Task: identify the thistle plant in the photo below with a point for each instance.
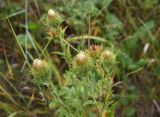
(42, 72)
(87, 86)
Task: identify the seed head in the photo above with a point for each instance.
(51, 14)
(81, 58)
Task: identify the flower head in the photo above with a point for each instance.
(54, 19)
(106, 54)
(51, 14)
(95, 50)
(81, 58)
(39, 64)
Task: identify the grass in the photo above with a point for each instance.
(124, 25)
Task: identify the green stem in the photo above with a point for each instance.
(88, 37)
(45, 48)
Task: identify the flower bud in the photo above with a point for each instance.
(108, 55)
(39, 64)
(81, 58)
(51, 14)
(54, 19)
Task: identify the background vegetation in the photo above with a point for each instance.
(132, 26)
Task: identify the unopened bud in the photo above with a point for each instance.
(39, 64)
(54, 19)
(108, 55)
(51, 14)
(81, 58)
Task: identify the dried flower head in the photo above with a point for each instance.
(95, 50)
(51, 14)
(52, 33)
(81, 58)
(39, 64)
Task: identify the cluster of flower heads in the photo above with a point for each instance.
(96, 59)
(95, 51)
(95, 55)
(81, 58)
(41, 69)
(92, 68)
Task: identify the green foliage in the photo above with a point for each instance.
(24, 41)
(140, 33)
(114, 26)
